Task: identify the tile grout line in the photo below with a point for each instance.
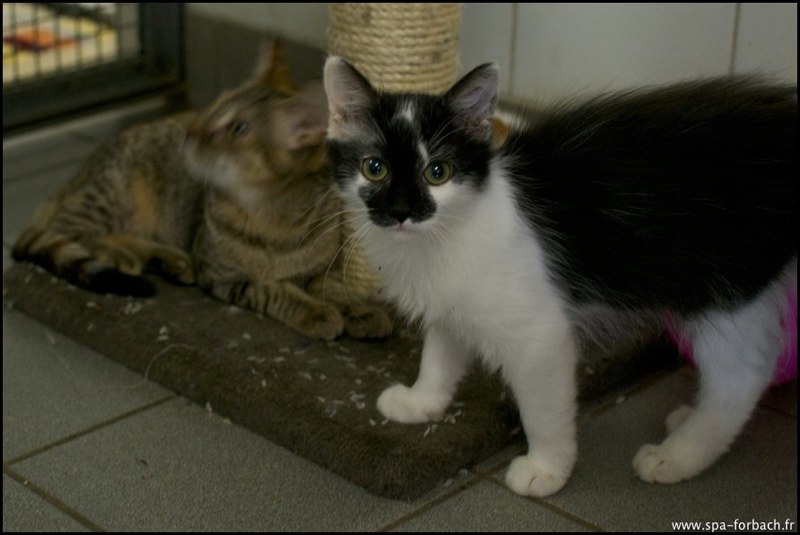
(52, 500)
(487, 475)
(545, 504)
(91, 429)
(459, 488)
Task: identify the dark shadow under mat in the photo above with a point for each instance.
(316, 399)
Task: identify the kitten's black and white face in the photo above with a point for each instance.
(410, 162)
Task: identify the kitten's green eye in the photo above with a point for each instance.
(239, 128)
(437, 173)
(374, 169)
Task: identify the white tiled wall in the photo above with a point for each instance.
(767, 40)
(577, 47)
(548, 50)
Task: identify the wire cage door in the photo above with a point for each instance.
(63, 58)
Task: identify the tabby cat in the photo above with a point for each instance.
(237, 198)
(677, 200)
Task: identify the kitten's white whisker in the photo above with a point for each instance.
(333, 260)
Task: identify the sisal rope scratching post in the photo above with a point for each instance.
(399, 48)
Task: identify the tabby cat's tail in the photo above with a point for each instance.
(72, 260)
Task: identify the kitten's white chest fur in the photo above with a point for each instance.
(475, 270)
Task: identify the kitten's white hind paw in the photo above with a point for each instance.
(662, 464)
(528, 477)
(404, 405)
(667, 462)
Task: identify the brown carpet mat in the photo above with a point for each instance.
(316, 399)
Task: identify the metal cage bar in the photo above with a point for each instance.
(63, 58)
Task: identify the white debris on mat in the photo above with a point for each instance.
(91, 327)
(430, 429)
(357, 400)
(132, 307)
(450, 418)
(278, 360)
(246, 336)
(163, 334)
(91, 304)
(263, 383)
(620, 400)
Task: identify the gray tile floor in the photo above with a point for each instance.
(89, 445)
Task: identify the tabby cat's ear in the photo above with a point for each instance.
(474, 98)
(350, 95)
(302, 119)
(272, 68)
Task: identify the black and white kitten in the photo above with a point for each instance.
(675, 201)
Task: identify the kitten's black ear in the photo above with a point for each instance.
(474, 98)
(350, 95)
(302, 119)
(272, 68)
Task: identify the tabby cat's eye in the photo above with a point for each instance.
(239, 128)
(374, 169)
(437, 173)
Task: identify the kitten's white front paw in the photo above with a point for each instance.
(530, 477)
(662, 464)
(404, 405)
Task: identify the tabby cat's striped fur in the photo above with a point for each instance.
(237, 198)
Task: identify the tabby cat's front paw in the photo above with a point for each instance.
(367, 321)
(531, 477)
(175, 265)
(402, 404)
(322, 323)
